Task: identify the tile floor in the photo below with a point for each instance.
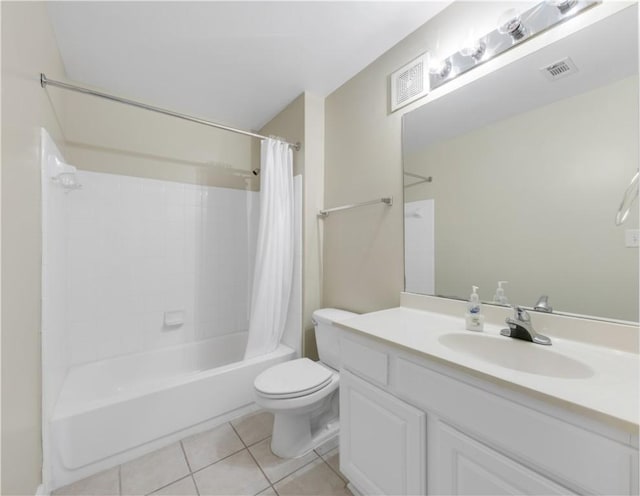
(234, 458)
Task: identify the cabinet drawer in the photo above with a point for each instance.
(365, 361)
(569, 454)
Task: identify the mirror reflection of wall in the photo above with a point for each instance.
(531, 198)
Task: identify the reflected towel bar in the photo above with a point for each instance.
(422, 179)
(325, 213)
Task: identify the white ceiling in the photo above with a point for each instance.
(238, 63)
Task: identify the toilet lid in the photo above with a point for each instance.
(292, 379)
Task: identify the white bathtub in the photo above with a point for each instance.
(114, 406)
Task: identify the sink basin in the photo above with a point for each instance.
(517, 354)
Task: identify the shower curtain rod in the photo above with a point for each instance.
(44, 82)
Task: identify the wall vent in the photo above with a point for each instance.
(560, 69)
(410, 82)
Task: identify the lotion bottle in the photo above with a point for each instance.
(500, 297)
(474, 320)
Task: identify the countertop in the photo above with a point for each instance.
(609, 393)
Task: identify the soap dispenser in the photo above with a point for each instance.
(500, 297)
(473, 318)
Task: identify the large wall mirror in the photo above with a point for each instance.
(527, 174)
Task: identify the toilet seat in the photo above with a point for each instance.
(293, 379)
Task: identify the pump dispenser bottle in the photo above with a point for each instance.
(474, 320)
(500, 297)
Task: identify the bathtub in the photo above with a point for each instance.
(113, 407)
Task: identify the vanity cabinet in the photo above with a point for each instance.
(411, 424)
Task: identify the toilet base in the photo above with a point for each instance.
(293, 436)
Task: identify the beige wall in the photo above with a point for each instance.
(303, 121)
(313, 226)
(554, 235)
(28, 48)
(363, 249)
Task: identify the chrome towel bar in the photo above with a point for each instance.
(388, 200)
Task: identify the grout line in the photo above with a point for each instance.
(120, 480)
(186, 458)
(334, 470)
(252, 444)
(193, 479)
(167, 485)
(260, 468)
(239, 436)
(221, 459)
(299, 468)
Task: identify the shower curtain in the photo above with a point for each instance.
(273, 272)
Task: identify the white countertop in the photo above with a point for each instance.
(609, 392)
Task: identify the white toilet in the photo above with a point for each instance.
(303, 394)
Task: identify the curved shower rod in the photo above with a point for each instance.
(44, 82)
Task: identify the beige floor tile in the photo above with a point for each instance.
(331, 444)
(275, 467)
(105, 483)
(237, 474)
(183, 487)
(333, 459)
(254, 427)
(153, 471)
(314, 479)
(209, 447)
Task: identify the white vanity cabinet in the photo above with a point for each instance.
(411, 424)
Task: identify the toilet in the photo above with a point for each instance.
(303, 394)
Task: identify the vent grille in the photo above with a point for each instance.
(560, 69)
(409, 82)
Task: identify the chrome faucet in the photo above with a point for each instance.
(520, 327)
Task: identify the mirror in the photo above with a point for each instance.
(518, 177)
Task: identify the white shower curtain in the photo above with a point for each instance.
(273, 272)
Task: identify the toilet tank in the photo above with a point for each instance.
(328, 335)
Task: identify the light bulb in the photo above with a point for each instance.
(475, 50)
(563, 6)
(441, 68)
(511, 23)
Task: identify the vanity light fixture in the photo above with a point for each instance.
(513, 28)
(510, 23)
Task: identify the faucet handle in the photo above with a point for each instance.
(521, 314)
(542, 305)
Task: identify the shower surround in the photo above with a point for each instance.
(146, 294)
(140, 247)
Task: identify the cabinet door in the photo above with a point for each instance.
(382, 440)
(465, 466)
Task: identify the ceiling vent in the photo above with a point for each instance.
(560, 69)
(410, 82)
